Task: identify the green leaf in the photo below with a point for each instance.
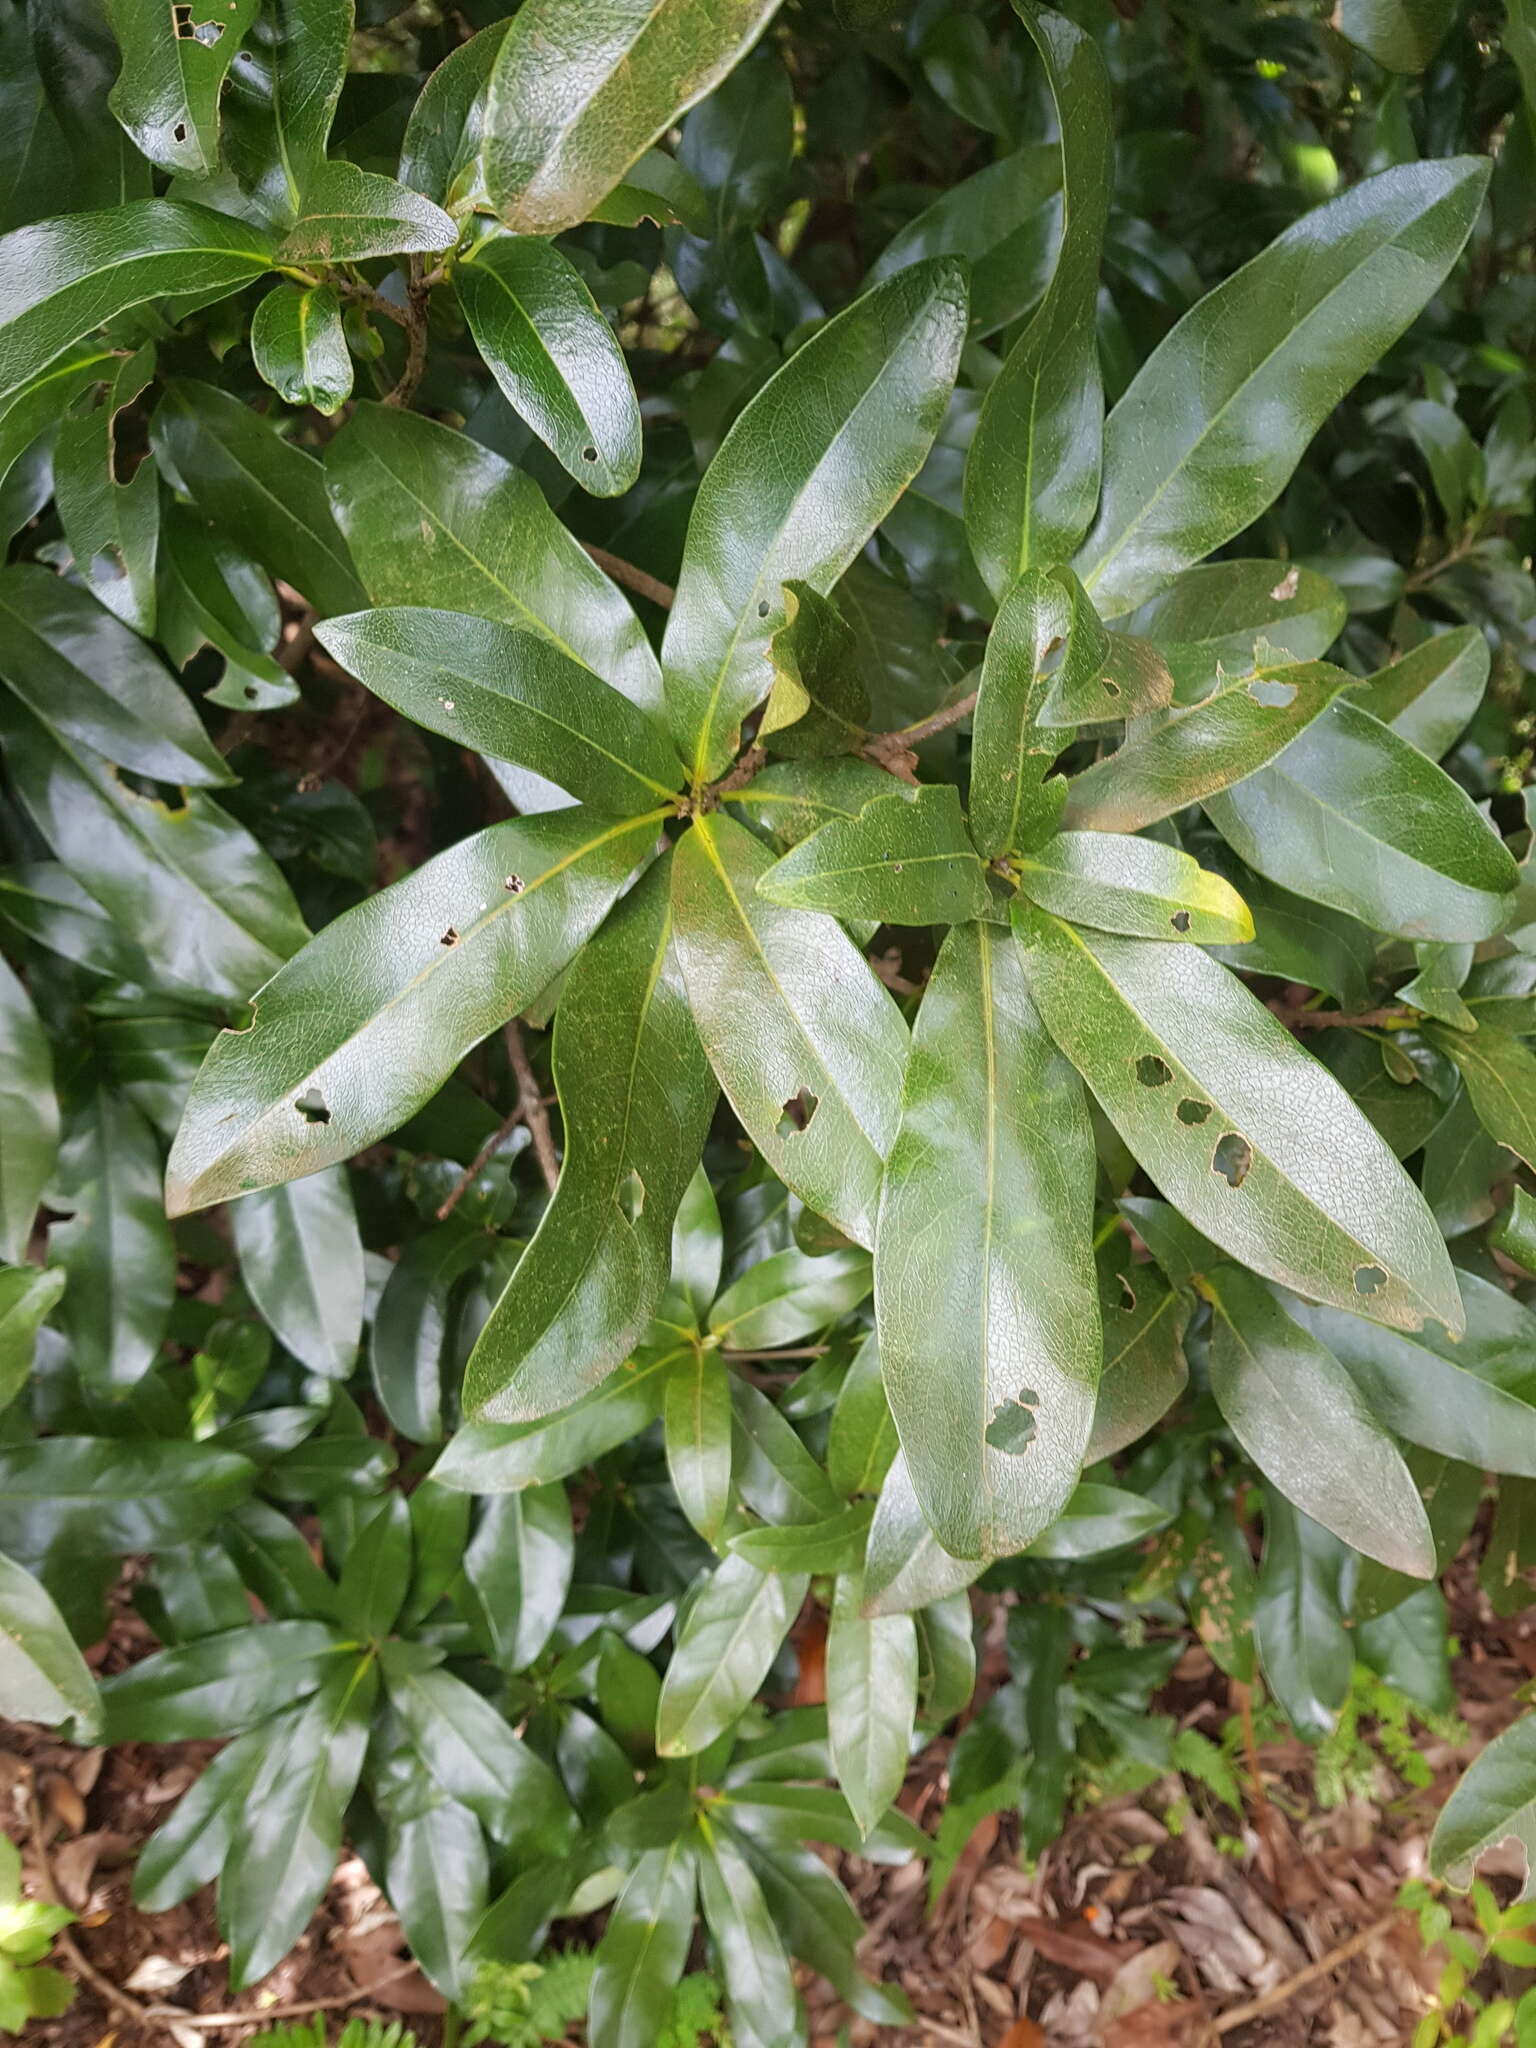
(905, 1566)
(1429, 696)
(29, 1116)
(738, 144)
(985, 1293)
(433, 518)
(89, 679)
(573, 100)
(1032, 476)
(299, 349)
(554, 356)
(1005, 221)
(278, 113)
(200, 896)
(220, 1684)
(835, 1545)
(1301, 1418)
(1144, 1370)
(819, 703)
(68, 277)
(1294, 939)
(82, 1496)
(1096, 1519)
(788, 800)
(861, 1436)
(774, 1473)
(432, 965)
(808, 470)
(871, 1700)
(284, 1848)
(1217, 418)
(730, 1635)
(474, 1757)
(1298, 1622)
(211, 595)
(116, 1246)
(442, 137)
(1500, 1076)
(347, 215)
(757, 1973)
(517, 1570)
(437, 1878)
(513, 695)
(1508, 1570)
(636, 1098)
(377, 1574)
(112, 526)
(250, 482)
(644, 1949)
(1244, 1132)
(1473, 1399)
(901, 861)
(503, 1457)
(174, 67)
(301, 1260)
(1355, 817)
(697, 1420)
(822, 1927)
(806, 1043)
(27, 1296)
(410, 1345)
(1139, 887)
(43, 1677)
(787, 1296)
(1493, 1801)
(45, 398)
(1401, 35)
(1188, 756)
(1012, 805)
(1233, 617)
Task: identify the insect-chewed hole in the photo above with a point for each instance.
(1012, 1427)
(632, 1196)
(589, 454)
(186, 30)
(1127, 1293)
(180, 131)
(1287, 587)
(1192, 1111)
(1273, 694)
(1369, 1280)
(252, 694)
(1153, 1072)
(797, 1113)
(762, 609)
(1180, 920)
(450, 937)
(1232, 1158)
(311, 1106)
(513, 884)
(1109, 686)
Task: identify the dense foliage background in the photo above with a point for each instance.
(854, 686)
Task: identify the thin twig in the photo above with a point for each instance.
(417, 292)
(531, 1108)
(1297, 1018)
(67, 1946)
(925, 728)
(478, 1164)
(263, 2014)
(633, 578)
(746, 768)
(1240, 2015)
(776, 1357)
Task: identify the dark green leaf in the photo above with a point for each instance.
(503, 1457)
(698, 1440)
(43, 1677)
(174, 67)
(517, 1568)
(1500, 1076)
(475, 1758)
(1097, 1519)
(1493, 1801)
(221, 1684)
(377, 1574)
(116, 1246)
(756, 1969)
(905, 1566)
(1430, 694)
(900, 861)
(347, 214)
(871, 1700)
(1232, 617)
(112, 525)
(730, 1635)
(787, 1296)
(302, 1263)
(437, 1876)
(29, 1116)
(27, 1296)
(413, 1326)
(643, 1950)
(298, 346)
(189, 1849)
(1401, 35)
(861, 1438)
(278, 113)
(1303, 1644)
(95, 1497)
(1144, 1370)
(440, 151)
(819, 703)
(835, 1545)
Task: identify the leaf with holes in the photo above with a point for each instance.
(1229, 618)
(985, 1295)
(175, 61)
(636, 1098)
(1244, 1132)
(433, 965)
(1140, 887)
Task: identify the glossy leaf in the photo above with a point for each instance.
(301, 1260)
(637, 1096)
(756, 1969)
(435, 964)
(475, 1758)
(29, 1116)
(730, 1635)
(513, 695)
(554, 356)
(43, 1677)
(1096, 1519)
(985, 1295)
(698, 1440)
(1139, 887)
(1243, 1131)
(1301, 1418)
(572, 101)
(174, 67)
(1032, 476)
(1500, 1076)
(97, 1497)
(1229, 618)
(1492, 1802)
(439, 153)
(1217, 418)
(805, 1042)
(861, 1436)
(1144, 1370)
(787, 1296)
(116, 1246)
(643, 1951)
(252, 483)
(112, 523)
(298, 346)
(89, 679)
(871, 1700)
(503, 1457)
(414, 1324)
(69, 276)
(1355, 817)
(278, 113)
(1303, 1644)
(220, 1684)
(346, 215)
(27, 1295)
(437, 1874)
(905, 1565)
(899, 862)
(855, 409)
(517, 1568)
(1012, 805)
(432, 518)
(1195, 752)
(1430, 693)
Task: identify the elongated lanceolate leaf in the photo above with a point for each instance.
(368, 1021)
(29, 1116)
(43, 1676)
(1119, 883)
(1012, 805)
(636, 1097)
(1428, 695)
(301, 1259)
(901, 861)
(1500, 1076)
(1233, 617)
(174, 67)
(871, 1700)
(1244, 1132)
(1493, 1802)
(985, 1293)
(644, 1950)
(730, 1635)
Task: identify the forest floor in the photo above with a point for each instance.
(1156, 1921)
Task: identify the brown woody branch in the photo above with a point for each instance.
(529, 1109)
(631, 577)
